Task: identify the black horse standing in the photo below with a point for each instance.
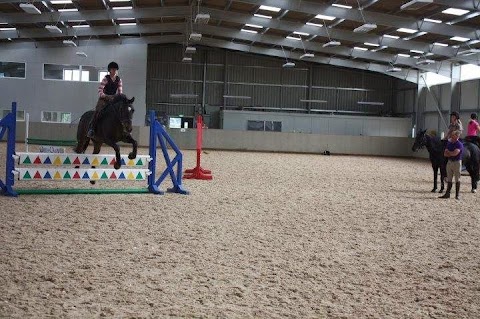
(436, 147)
(114, 125)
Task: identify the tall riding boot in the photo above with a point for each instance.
(447, 193)
(92, 126)
(457, 190)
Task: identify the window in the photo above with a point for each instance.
(268, 126)
(273, 126)
(256, 126)
(74, 75)
(12, 70)
(56, 117)
(20, 114)
(101, 75)
(469, 72)
(431, 79)
(64, 72)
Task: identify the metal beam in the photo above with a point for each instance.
(334, 33)
(96, 15)
(407, 75)
(95, 42)
(472, 5)
(442, 68)
(374, 17)
(94, 31)
(139, 13)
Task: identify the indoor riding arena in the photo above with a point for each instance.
(284, 162)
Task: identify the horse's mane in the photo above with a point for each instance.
(119, 98)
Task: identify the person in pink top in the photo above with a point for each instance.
(110, 86)
(472, 130)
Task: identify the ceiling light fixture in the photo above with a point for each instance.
(367, 27)
(379, 48)
(269, 8)
(69, 43)
(455, 11)
(407, 30)
(468, 52)
(307, 55)
(262, 16)
(459, 39)
(370, 103)
(293, 38)
(190, 50)
(301, 33)
(324, 17)
(195, 36)
(432, 20)
(249, 31)
(202, 18)
(331, 44)
(314, 24)
(415, 4)
(288, 65)
(53, 29)
(122, 8)
(29, 8)
(254, 26)
(391, 36)
(81, 53)
(425, 62)
(341, 6)
(393, 69)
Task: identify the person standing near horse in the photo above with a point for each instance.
(453, 152)
(455, 124)
(110, 86)
(472, 130)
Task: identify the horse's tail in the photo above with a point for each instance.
(82, 130)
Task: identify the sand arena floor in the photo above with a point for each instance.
(272, 236)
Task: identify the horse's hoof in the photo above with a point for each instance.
(116, 165)
(440, 191)
(474, 191)
(434, 190)
(132, 155)
(92, 182)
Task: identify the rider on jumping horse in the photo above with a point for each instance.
(110, 86)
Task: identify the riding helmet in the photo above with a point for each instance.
(454, 113)
(473, 116)
(112, 65)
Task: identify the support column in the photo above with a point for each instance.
(456, 88)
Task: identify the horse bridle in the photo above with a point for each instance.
(117, 112)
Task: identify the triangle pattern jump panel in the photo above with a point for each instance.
(32, 173)
(65, 159)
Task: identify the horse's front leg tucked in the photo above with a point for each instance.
(118, 159)
(129, 139)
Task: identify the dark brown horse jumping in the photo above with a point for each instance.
(114, 125)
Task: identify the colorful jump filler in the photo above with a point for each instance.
(27, 166)
(198, 172)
